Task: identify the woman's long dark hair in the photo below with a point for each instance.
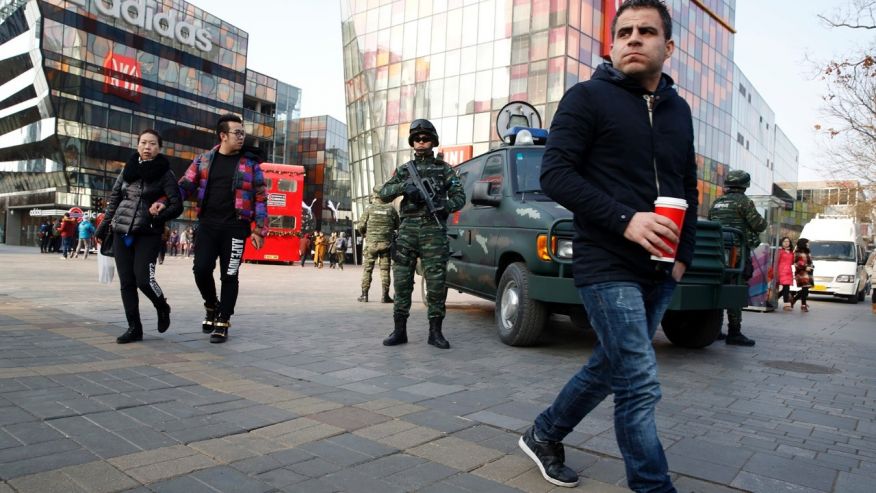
(803, 245)
(789, 242)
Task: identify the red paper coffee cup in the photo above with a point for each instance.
(674, 209)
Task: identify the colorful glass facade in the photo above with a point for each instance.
(457, 62)
(82, 78)
(319, 144)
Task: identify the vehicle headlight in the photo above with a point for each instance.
(845, 278)
(564, 249)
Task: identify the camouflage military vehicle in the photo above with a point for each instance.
(513, 245)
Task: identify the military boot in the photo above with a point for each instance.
(364, 297)
(399, 333)
(133, 334)
(386, 298)
(163, 310)
(207, 324)
(435, 337)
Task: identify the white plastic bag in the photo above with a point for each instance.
(106, 268)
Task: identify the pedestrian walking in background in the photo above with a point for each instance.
(341, 249)
(136, 222)
(55, 244)
(304, 248)
(319, 249)
(67, 229)
(378, 224)
(735, 210)
(332, 249)
(784, 271)
(174, 243)
(803, 270)
(421, 234)
(186, 240)
(617, 142)
(228, 185)
(86, 233)
(45, 236)
(165, 241)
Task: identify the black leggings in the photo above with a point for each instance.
(136, 267)
(226, 244)
(802, 295)
(786, 293)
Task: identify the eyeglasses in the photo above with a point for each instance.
(422, 138)
(238, 133)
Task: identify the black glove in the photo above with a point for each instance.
(412, 193)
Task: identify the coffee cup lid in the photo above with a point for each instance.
(672, 202)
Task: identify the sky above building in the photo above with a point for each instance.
(777, 45)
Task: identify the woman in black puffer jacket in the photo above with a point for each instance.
(136, 225)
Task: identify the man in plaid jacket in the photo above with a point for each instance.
(228, 188)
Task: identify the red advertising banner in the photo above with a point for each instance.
(609, 10)
(121, 77)
(456, 155)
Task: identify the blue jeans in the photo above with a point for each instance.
(625, 316)
(67, 246)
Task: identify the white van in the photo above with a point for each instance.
(837, 251)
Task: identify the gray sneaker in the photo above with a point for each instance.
(550, 457)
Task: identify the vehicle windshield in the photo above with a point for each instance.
(832, 250)
(526, 166)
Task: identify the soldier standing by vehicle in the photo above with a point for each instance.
(422, 234)
(378, 224)
(735, 210)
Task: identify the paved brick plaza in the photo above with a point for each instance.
(304, 397)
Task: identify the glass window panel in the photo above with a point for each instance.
(466, 94)
(385, 17)
(482, 127)
(449, 129)
(503, 17)
(556, 75)
(436, 96)
(454, 29)
(409, 47)
(464, 129)
(538, 49)
(424, 29)
(483, 86)
(436, 66)
(486, 21)
(557, 42)
(501, 82)
(408, 72)
(558, 12)
(538, 82)
(502, 52)
(451, 96)
(484, 55)
(470, 25)
(521, 18)
(396, 43)
(468, 60)
(411, 9)
(451, 65)
(540, 14)
(394, 75)
(520, 49)
(439, 32)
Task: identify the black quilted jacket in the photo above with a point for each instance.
(138, 186)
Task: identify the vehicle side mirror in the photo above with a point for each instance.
(481, 194)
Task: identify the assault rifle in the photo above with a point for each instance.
(426, 188)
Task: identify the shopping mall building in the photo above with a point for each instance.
(79, 79)
(457, 62)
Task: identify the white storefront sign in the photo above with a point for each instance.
(142, 13)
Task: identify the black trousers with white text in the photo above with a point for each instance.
(136, 267)
(226, 244)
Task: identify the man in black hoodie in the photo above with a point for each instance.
(617, 142)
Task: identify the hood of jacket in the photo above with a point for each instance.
(149, 171)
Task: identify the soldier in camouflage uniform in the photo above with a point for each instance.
(421, 235)
(378, 225)
(735, 210)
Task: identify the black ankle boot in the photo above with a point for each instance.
(435, 337)
(133, 334)
(220, 329)
(386, 298)
(399, 334)
(207, 324)
(364, 297)
(163, 310)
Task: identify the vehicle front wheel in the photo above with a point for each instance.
(519, 318)
(693, 329)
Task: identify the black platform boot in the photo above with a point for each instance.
(364, 297)
(133, 334)
(386, 298)
(163, 310)
(435, 337)
(207, 324)
(220, 329)
(399, 334)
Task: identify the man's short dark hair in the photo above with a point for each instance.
(222, 124)
(646, 4)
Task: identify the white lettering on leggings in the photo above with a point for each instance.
(236, 256)
(152, 282)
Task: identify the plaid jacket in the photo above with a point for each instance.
(248, 182)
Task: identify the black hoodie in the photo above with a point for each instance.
(605, 160)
